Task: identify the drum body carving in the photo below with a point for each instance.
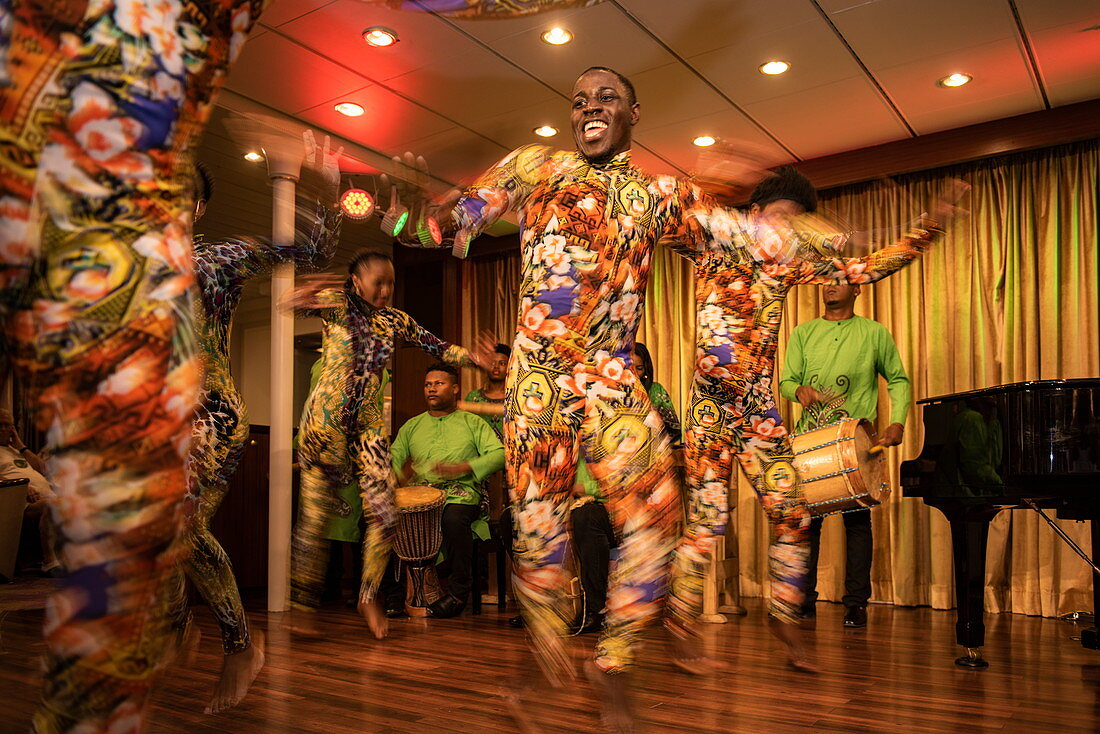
(417, 538)
(837, 469)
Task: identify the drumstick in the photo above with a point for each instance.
(481, 408)
(876, 449)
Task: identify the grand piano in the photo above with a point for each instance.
(1028, 445)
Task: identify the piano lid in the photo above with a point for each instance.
(1029, 386)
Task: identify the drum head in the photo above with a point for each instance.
(408, 499)
(872, 467)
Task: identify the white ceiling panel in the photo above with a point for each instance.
(515, 128)
(283, 11)
(286, 76)
(1069, 62)
(335, 30)
(389, 121)
(893, 32)
(812, 49)
(672, 93)
(474, 86)
(458, 155)
(1041, 14)
(674, 141)
(491, 31)
(692, 27)
(1002, 87)
(626, 49)
(829, 119)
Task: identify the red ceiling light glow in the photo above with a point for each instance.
(954, 80)
(380, 36)
(357, 204)
(350, 109)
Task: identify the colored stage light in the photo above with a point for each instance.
(954, 80)
(774, 67)
(429, 233)
(557, 36)
(380, 36)
(357, 204)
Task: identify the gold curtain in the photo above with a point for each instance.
(1011, 294)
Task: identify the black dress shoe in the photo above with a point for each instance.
(446, 607)
(855, 617)
(516, 621)
(588, 623)
(395, 608)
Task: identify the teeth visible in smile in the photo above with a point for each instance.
(594, 125)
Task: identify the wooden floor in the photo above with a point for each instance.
(447, 676)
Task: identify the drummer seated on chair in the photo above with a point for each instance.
(453, 450)
(832, 368)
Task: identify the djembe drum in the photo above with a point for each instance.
(417, 538)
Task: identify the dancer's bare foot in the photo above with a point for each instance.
(688, 655)
(514, 701)
(791, 636)
(616, 710)
(302, 621)
(238, 672)
(375, 615)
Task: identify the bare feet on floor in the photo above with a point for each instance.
(375, 615)
(518, 702)
(615, 706)
(301, 621)
(688, 654)
(792, 636)
(238, 672)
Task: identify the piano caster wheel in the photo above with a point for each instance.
(972, 659)
(1090, 638)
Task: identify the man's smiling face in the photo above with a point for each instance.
(603, 115)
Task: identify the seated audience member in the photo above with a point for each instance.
(19, 462)
(453, 450)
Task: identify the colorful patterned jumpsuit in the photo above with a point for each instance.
(740, 289)
(588, 233)
(341, 432)
(221, 427)
(99, 116)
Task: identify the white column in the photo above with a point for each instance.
(284, 170)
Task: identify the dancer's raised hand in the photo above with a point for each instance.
(307, 290)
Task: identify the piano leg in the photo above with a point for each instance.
(1090, 637)
(969, 532)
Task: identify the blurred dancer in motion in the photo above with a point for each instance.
(221, 427)
(101, 109)
(342, 433)
(739, 295)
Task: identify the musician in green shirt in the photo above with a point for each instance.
(453, 450)
(832, 368)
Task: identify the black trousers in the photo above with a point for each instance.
(458, 548)
(593, 538)
(857, 566)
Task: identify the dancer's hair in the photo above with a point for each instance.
(203, 182)
(631, 96)
(503, 349)
(366, 257)
(647, 364)
(787, 183)
(442, 367)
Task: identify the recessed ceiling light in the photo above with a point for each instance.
(252, 156)
(546, 131)
(380, 36)
(954, 80)
(350, 109)
(704, 141)
(557, 36)
(774, 67)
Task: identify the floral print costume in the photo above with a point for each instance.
(341, 433)
(740, 289)
(102, 107)
(221, 427)
(588, 235)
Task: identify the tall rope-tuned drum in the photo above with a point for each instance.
(838, 468)
(417, 538)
